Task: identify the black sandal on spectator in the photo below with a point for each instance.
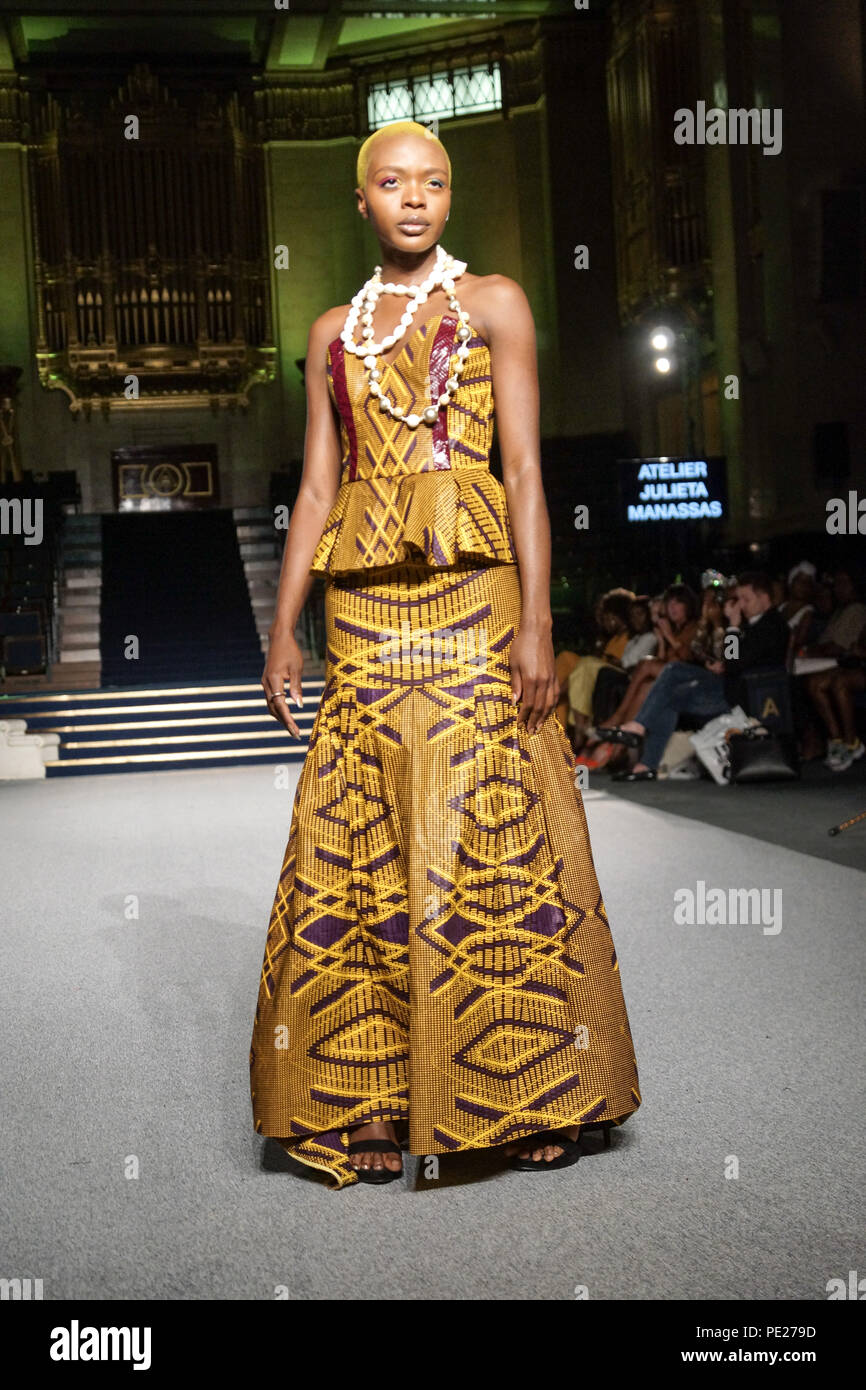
(631, 740)
(648, 774)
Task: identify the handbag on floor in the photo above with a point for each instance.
(712, 745)
(759, 756)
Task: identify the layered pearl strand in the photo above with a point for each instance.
(444, 273)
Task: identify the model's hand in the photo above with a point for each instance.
(717, 667)
(533, 676)
(283, 667)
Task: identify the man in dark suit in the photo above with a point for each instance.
(756, 638)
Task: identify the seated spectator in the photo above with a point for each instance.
(831, 690)
(824, 605)
(643, 641)
(798, 608)
(614, 614)
(612, 681)
(846, 622)
(834, 700)
(709, 640)
(704, 692)
(675, 627)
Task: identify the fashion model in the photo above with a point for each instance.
(439, 973)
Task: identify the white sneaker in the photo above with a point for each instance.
(843, 760)
(836, 750)
(857, 750)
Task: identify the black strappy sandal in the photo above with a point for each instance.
(384, 1146)
(570, 1152)
(614, 734)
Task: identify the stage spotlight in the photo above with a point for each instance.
(663, 365)
(661, 339)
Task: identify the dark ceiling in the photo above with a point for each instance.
(307, 36)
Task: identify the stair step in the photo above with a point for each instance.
(257, 530)
(80, 598)
(83, 571)
(262, 567)
(176, 761)
(257, 550)
(252, 513)
(77, 557)
(78, 617)
(82, 675)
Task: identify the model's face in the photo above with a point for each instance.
(407, 197)
(802, 587)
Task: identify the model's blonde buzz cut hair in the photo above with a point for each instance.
(395, 128)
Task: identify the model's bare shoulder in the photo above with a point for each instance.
(500, 306)
(326, 328)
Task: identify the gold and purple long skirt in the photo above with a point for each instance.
(438, 952)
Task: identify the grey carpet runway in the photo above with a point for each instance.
(134, 918)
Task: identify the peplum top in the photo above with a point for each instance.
(424, 495)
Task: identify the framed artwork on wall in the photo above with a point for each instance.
(165, 477)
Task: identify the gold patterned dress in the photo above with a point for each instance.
(438, 953)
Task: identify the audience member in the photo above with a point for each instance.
(761, 641)
(612, 681)
(831, 690)
(675, 627)
(798, 608)
(615, 610)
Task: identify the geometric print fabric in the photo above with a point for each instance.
(438, 952)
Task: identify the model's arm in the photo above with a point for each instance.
(320, 482)
(511, 335)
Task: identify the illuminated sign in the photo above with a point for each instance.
(672, 489)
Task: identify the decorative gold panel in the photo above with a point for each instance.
(151, 268)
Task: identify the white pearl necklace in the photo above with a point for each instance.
(444, 273)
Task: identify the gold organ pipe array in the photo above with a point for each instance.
(150, 253)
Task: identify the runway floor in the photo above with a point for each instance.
(135, 914)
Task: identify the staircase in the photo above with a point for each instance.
(78, 664)
(260, 554)
(175, 603)
(161, 728)
(198, 592)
